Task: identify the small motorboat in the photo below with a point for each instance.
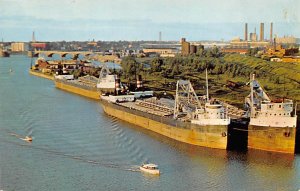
(150, 168)
(28, 139)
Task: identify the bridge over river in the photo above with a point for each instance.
(75, 54)
(62, 54)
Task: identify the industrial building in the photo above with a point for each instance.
(39, 46)
(286, 40)
(35, 45)
(241, 46)
(187, 48)
(163, 52)
(161, 49)
(280, 52)
(19, 47)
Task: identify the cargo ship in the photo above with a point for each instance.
(4, 53)
(188, 119)
(92, 87)
(84, 86)
(272, 124)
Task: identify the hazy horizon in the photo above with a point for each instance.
(196, 20)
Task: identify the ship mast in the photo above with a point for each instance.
(251, 87)
(207, 98)
(185, 97)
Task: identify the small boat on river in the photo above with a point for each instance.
(28, 139)
(150, 168)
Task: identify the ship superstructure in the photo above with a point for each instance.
(204, 112)
(107, 81)
(272, 123)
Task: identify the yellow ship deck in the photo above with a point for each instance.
(41, 75)
(78, 89)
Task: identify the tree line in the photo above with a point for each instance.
(212, 59)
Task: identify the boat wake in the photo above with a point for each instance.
(126, 143)
(102, 163)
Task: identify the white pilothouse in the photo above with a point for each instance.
(106, 81)
(213, 113)
(267, 113)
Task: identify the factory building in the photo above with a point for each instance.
(185, 47)
(162, 50)
(19, 47)
(286, 40)
(188, 48)
(39, 46)
(253, 37)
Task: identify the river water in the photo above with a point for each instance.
(76, 146)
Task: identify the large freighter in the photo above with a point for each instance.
(272, 124)
(84, 86)
(88, 86)
(185, 119)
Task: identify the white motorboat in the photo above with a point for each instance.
(28, 139)
(150, 168)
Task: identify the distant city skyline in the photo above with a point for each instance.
(144, 19)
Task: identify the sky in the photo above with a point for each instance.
(113, 20)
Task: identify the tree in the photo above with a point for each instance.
(213, 52)
(252, 51)
(175, 70)
(130, 67)
(156, 65)
(218, 69)
(201, 52)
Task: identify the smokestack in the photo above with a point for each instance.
(33, 37)
(262, 36)
(139, 82)
(159, 36)
(117, 85)
(271, 32)
(246, 31)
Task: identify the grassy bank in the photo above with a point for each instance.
(278, 79)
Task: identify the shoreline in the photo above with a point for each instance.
(41, 75)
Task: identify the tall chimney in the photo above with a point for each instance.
(33, 37)
(261, 32)
(159, 36)
(117, 85)
(246, 31)
(139, 82)
(271, 32)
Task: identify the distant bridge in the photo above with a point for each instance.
(63, 54)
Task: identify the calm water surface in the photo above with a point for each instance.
(77, 147)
